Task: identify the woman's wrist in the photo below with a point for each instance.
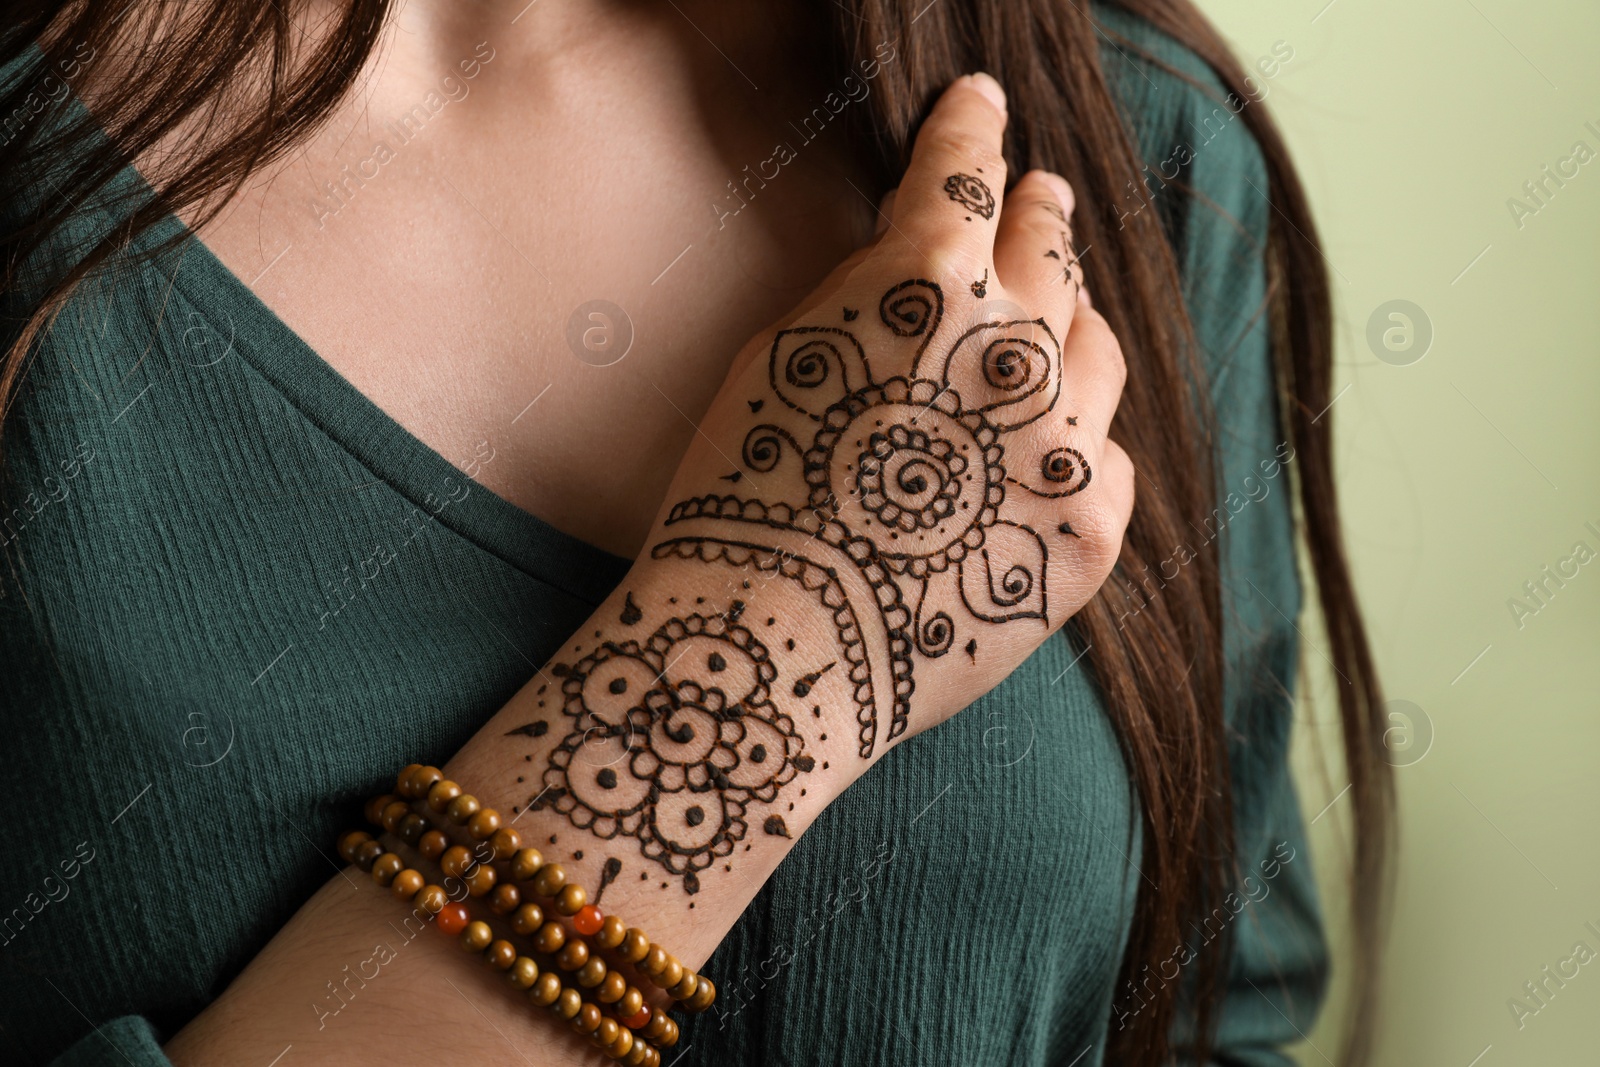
(673, 753)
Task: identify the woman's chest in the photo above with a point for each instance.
(552, 271)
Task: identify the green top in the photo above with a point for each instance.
(224, 567)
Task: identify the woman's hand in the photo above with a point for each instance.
(897, 495)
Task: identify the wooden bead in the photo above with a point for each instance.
(704, 996)
(587, 1019)
(483, 824)
(622, 1044)
(350, 842)
(442, 794)
(669, 1031)
(634, 1057)
(386, 867)
(430, 900)
(527, 919)
(456, 860)
(635, 946)
(688, 987)
(402, 781)
(407, 884)
(549, 880)
(374, 808)
(463, 808)
(611, 932)
(654, 962)
(505, 843)
(392, 814)
(550, 938)
(480, 880)
(632, 1000)
(523, 972)
(546, 988)
(500, 954)
(526, 863)
(572, 955)
(571, 899)
(652, 1058)
(367, 854)
(592, 973)
(411, 828)
(657, 1026)
(670, 975)
(612, 988)
(476, 937)
(505, 899)
(606, 1031)
(424, 780)
(568, 1003)
(432, 844)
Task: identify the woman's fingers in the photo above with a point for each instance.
(1033, 249)
(947, 207)
(1092, 372)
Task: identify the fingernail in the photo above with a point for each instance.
(1063, 191)
(991, 90)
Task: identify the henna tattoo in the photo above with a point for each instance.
(533, 729)
(894, 522)
(630, 611)
(981, 286)
(662, 742)
(1064, 467)
(763, 447)
(608, 874)
(970, 193)
(1067, 529)
(733, 476)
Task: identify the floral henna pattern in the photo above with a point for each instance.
(878, 497)
(678, 736)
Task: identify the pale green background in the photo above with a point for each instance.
(1462, 476)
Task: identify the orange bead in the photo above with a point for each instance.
(634, 1022)
(453, 918)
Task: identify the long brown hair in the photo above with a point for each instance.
(245, 65)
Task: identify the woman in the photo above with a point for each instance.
(272, 531)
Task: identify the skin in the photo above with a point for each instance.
(431, 1004)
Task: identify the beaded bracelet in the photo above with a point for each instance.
(545, 987)
(548, 880)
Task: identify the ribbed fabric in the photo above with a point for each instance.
(196, 719)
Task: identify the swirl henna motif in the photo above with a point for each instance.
(878, 497)
(970, 193)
